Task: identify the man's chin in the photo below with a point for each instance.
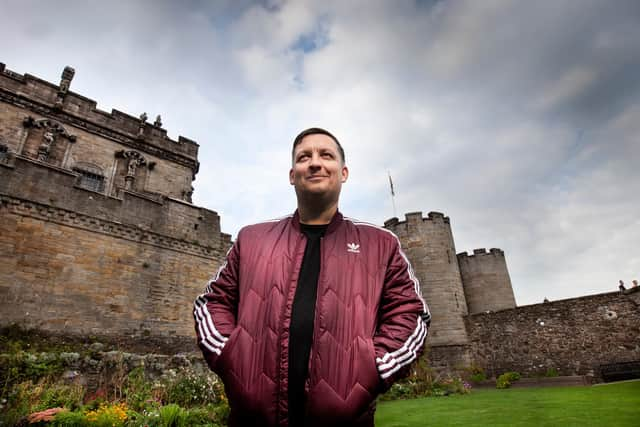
(318, 192)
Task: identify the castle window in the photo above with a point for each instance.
(4, 152)
(90, 180)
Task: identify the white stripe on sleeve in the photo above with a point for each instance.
(392, 362)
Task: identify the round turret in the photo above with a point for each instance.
(486, 281)
(428, 243)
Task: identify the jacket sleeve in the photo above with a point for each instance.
(403, 322)
(215, 311)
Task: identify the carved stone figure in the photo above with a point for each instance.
(131, 167)
(48, 138)
(158, 122)
(143, 121)
(65, 84)
(65, 81)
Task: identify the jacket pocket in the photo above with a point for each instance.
(224, 359)
(373, 381)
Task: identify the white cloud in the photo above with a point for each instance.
(518, 120)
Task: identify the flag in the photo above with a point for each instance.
(393, 193)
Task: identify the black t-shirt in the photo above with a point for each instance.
(302, 316)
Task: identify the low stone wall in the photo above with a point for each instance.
(573, 336)
(94, 368)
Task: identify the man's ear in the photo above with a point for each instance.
(345, 174)
(291, 176)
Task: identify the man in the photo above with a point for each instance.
(311, 316)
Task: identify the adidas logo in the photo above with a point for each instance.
(353, 247)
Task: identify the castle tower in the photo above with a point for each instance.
(487, 286)
(98, 234)
(428, 243)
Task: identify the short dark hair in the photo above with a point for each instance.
(316, 131)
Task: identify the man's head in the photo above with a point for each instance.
(316, 131)
(318, 169)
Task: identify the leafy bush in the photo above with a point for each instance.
(505, 380)
(23, 366)
(418, 383)
(551, 372)
(478, 378)
(60, 395)
(173, 416)
(205, 416)
(475, 374)
(138, 390)
(189, 389)
(453, 385)
(70, 419)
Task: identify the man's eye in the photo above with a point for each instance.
(327, 155)
(303, 158)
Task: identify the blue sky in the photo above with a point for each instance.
(519, 120)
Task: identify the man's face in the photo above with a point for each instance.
(317, 168)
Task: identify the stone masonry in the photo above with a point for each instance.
(574, 336)
(98, 235)
(487, 284)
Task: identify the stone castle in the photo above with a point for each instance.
(98, 236)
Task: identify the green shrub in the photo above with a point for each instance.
(203, 417)
(478, 378)
(422, 382)
(173, 416)
(452, 385)
(70, 419)
(474, 374)
(189, 389)
(137, 390)
(60, 395)
(505, 380)
(23, 366)
(551, 372)
(219, 412)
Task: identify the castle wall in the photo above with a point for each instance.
(79, 262)
(167, 177)
(574, 336)
(486, 281)
(38, 182)
(428, 243)
(114, 248)
(61, 278)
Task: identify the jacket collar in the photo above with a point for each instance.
(333, 225)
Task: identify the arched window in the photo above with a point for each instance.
(91, 177)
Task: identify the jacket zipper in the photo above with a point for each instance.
(284, 395)
(316, 320)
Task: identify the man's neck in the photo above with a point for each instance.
(313, 216)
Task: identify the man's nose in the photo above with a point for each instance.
(315, 160)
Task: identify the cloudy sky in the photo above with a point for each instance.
(519, 120)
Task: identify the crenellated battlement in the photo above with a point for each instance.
(415, 219)
(58, 102)
(496, 252)
(486, 280)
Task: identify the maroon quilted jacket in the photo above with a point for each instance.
(370, 321)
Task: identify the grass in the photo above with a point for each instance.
(616, 404)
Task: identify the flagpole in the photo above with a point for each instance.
(393, 195)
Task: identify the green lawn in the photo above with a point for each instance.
(607, 405)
